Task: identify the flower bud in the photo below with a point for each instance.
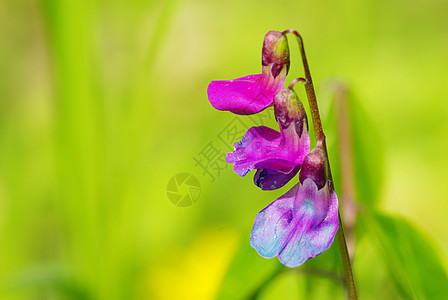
(314, 166)
(289, 109)
(275, 52)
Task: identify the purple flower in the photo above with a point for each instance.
(302, 223)
(251, 94)
(276, 155)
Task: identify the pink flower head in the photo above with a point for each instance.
(253, 93)
(276, 155)
(302, 223)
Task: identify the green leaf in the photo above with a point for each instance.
(410, 259)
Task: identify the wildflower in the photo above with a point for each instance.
(302, 223)
(253, 93)
(276, 155)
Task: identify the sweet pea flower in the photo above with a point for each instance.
(276, 155)
(253, 93)
(302, 223)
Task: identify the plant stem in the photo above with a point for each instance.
(306, 271)
(268, 280)
(322, 273)
(349, 207)
(312, 101)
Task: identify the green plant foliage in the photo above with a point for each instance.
(412, 263)
(366, 142)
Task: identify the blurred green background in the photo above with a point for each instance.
(103, 102)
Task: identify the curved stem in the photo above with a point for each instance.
(312, 101)
(293, 83)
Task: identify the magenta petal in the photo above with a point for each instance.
(252, 148)
(264, 148)
(246, 95)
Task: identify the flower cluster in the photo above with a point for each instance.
(302, 223)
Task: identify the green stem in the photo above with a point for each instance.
(322, 273)
(265, 283)
(305, 271)
(312, 101)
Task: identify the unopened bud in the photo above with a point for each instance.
(275, 52)
(315, 167)
(289, 109)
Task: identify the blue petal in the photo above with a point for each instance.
(273, 225)
(316, 223)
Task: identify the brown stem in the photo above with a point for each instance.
(314, 109)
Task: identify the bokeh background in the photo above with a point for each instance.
(103, 102)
